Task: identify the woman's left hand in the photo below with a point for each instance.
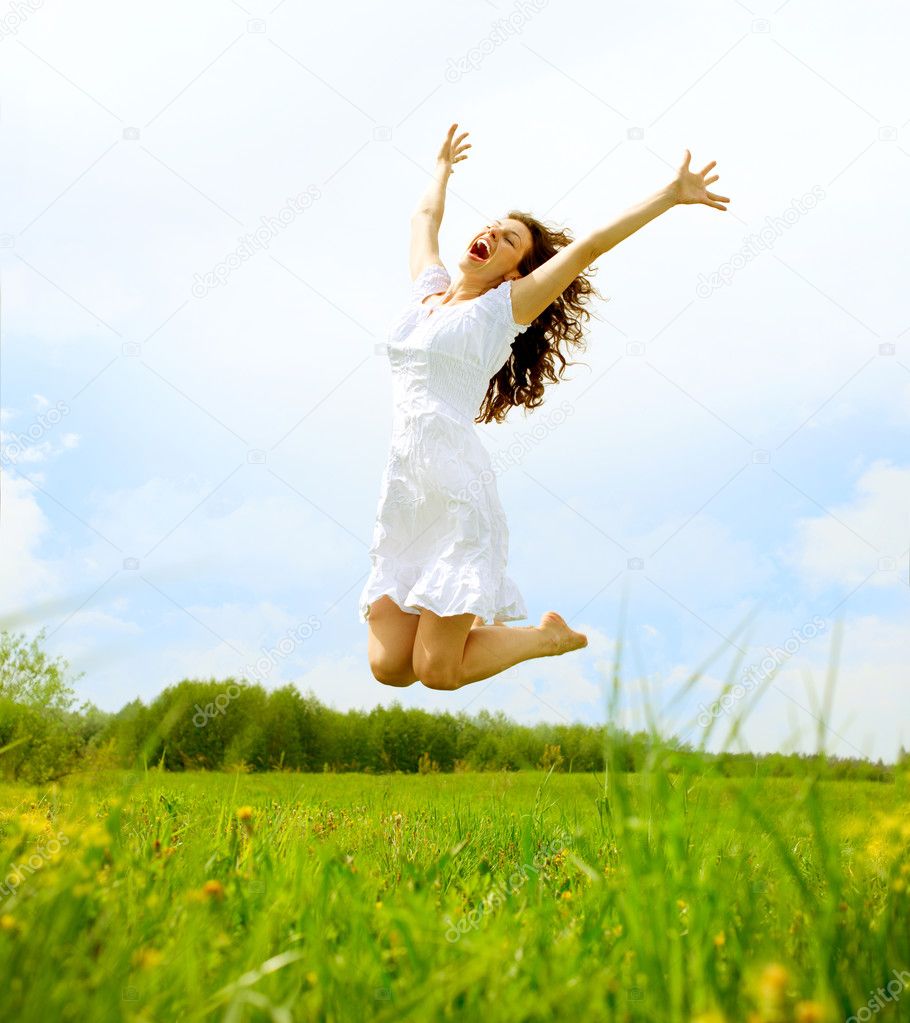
(692, 188)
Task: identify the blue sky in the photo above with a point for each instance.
(190, 475)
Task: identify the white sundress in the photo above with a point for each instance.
(440, 539)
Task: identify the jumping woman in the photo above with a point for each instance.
(437, 597)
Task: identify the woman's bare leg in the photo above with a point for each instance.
(453, 651)
(391, 643)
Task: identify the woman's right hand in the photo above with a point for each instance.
(453, 150)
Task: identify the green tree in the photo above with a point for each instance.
(40, 736)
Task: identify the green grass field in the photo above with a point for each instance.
(516, 896)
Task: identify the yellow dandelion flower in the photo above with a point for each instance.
(898, 885)
(772, 989)
(566, 895)
(146, 958)
(809, 1012)
(775, 978)
(720, 939)
(32, 824)
(245, 813)
(213, 889)
(7, 922)
(94, 836)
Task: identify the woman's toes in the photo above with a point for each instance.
(563, 639)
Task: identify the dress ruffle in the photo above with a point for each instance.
(489, 599)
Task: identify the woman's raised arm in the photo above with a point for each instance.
(427, 217)
(534, 292)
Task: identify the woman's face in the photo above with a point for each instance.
(495, 252)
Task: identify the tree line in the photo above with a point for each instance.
(236, 725)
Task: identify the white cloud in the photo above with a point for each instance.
(26, 577)
(843, 548)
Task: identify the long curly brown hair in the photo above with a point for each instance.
(536, 351)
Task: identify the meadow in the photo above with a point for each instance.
(501, 896)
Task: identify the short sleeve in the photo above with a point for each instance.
(499, 330)
(431, 281)
(500, 304)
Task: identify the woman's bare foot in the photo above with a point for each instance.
(562, 638)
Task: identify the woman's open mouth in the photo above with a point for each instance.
(480, 251)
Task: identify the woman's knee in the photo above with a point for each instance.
(390, 675)
(438, 674)
(443, 682)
